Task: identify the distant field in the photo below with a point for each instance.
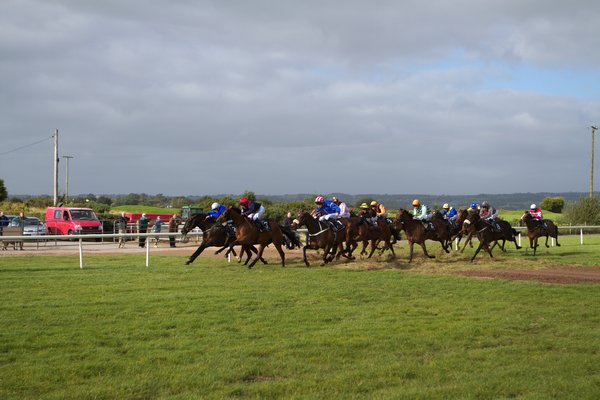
(144, 209)
(378, 329)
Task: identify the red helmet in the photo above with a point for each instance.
(244, 201)
(320, 200)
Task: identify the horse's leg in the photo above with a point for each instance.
(261, 248)
(281, 253)
(304, 255)
(487, 248)
(410, 246)
(535, 245)
(556, 235)
(374, 244)
(547, 236)
(467, 241)
(199, 250)
(444, 246)
(477, 251)
(425, 250)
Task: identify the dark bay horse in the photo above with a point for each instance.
(535, 230)
(487, 234)
(213, 235)
(247, 233)
(416, 232)
(321, 236)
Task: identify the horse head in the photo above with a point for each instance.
(193, 222)
(303, 217)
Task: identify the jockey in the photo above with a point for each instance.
(327, 208)
(474, 207)
(344, 209)
(489, 214)
(364, 210)
(536, 213)
(448, 212)
(379, 209)
(216, 210)
(420, 210)
(252, 210)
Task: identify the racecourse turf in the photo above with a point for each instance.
(118, 330)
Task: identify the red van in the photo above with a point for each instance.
(72, 221)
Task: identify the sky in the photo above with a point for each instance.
(285, 97)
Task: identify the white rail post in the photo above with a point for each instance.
(581, 235)
(455, 244)
(519, 239)
(81, 253)
(147, 252)
(552, 241)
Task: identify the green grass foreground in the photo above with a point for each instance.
(215, 330)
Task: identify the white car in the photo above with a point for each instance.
(33, 227)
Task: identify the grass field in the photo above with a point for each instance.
(359, 330)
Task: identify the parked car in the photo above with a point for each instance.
(33, 226)
(72, 221)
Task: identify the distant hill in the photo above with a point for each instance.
(513, 201)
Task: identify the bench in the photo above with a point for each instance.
(11, 231)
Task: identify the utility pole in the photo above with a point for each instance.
(55, 167)
(592, 164)
(67, 179)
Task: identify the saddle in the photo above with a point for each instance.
(263, 226)
(336, 225)
(494, 225)
(428, 225)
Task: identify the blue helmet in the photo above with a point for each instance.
(473, 205)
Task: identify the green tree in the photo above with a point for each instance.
(586, 211)
(249, 195)
(554, 204)
(3, 192)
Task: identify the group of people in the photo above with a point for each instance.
(142, 225)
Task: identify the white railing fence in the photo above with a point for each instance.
(195, 233)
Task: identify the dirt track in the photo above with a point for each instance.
(557, 275)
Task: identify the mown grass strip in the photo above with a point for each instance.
(214, 330)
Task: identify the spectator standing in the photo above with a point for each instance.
(122, 226)
(143, 228)
(156, 229)
(19, 222)
(3, 221)
(173, 225)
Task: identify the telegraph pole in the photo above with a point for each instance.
(592, 164)
(67, 179)
(55, 167)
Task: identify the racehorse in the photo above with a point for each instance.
(416, 232)
(247, 233)
(487, 234)
(213, 234)
(322, 236)
(535, 230)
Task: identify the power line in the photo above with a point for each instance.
(25, 146)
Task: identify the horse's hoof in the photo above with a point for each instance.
(188, 262)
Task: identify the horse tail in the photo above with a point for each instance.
(514, 232)
(291, 236)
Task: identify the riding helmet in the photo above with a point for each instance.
(364, 206)
(214, 206)
(445, 206)
(473, 205)
(319, 200)
(244, 201)
(416, 202)
(485, 204)
(533, 207)
(374, 203)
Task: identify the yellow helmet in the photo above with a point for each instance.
(364, 205)
(445, 206)
(374, 203)
(416, 203)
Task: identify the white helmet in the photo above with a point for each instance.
(532, 207)
(214, 206)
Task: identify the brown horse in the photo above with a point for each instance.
(214, 235)
(322, 236)
(247, 233)
(487, 234)
(416, 232)
(536, 229)
(375, 235)
(459, 231)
